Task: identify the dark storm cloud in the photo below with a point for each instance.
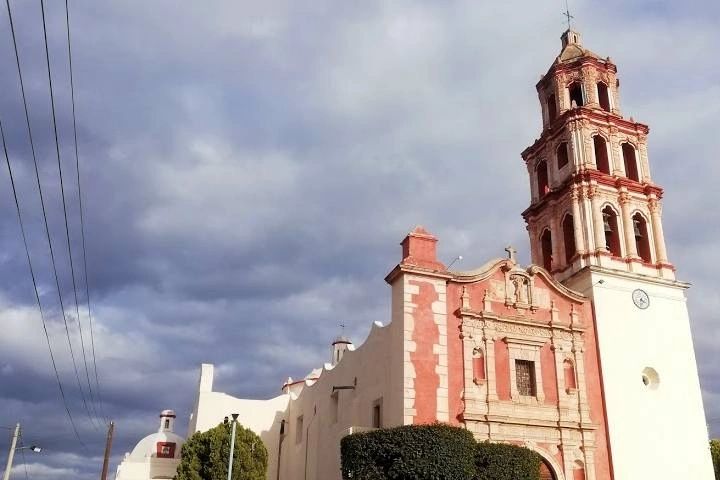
(249, 168)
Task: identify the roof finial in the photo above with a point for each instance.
(567, 15)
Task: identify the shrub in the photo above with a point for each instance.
(500, 461)
(411, 452)
(205, 455)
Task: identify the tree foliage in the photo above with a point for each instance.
(500, 461)
(715, 452)
(205, 455)
(412, 452)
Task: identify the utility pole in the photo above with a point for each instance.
(108, 447)
(11, 453)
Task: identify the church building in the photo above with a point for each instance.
(585, 356)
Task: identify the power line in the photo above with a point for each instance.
(64, 204)
(82, 221)
(35, 288)
(42, 203)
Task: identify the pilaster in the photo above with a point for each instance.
(628, 229)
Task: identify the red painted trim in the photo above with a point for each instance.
(165, 449)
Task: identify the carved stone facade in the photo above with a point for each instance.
(520, 315)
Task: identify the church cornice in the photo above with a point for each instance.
(587, 177)
(597, 117)
(604, 65)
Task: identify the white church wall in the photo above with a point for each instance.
(372, 375)
(263, 417)
(657, 430)
(311, 448)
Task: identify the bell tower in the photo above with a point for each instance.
(593, 201)
(595, 223)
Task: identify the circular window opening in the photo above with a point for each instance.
(650, 378)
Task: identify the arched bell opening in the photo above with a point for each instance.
(562, 155)
(603, 96)
(551, 107)
(630, 160)
(612, 235)
(577, 99)
(546, 247)
(601, 154)
(642, 242)
(543, 182)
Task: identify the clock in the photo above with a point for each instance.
(641, 299)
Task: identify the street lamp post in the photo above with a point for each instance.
(232, 445)
(13, 447)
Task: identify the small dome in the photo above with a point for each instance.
(148, 446)
(167, 413)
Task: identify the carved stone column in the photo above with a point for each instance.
(628, 229)
(658, 235)
(617, 165)
(598, 228)
(489, 335)
(577, 221)
(561, 93)
(556, 236)
(643, 159)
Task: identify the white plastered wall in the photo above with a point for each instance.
(655, 432)
(375, 371)
(263, 417)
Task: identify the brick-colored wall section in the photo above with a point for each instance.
(428, 355)
(502, 370)
(549, 373)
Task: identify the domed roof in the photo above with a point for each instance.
(148, 446)
(164, 439)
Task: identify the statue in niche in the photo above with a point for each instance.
(520, 285)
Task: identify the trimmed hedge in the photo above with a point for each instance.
(500, 461)
(411, 452)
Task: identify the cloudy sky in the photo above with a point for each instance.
(249, 168)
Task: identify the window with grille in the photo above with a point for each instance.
(525, 377)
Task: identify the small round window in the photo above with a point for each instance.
(650, 378)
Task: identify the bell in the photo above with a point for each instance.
(606, 223)
(636, 229)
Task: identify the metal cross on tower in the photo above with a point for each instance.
(567, 15)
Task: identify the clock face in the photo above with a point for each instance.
(641, 299)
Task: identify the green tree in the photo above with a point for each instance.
(205, 455)
(715, 452)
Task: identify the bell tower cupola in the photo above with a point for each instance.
(592, 200)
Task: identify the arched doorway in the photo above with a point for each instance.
(546, 472)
